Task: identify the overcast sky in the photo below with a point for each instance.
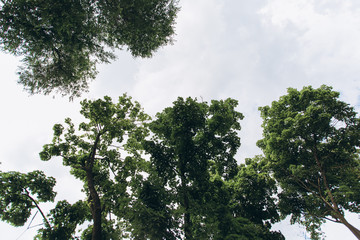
(248, 50)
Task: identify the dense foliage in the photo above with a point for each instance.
(95, 157)
(61, 41)
(311, 141)
(186, 138)
(20, 193)
(195, 188)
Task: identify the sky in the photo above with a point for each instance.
(251, 51)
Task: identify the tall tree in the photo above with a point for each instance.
(311, 141)
(95, 156)
(186, 138)
(61, 41)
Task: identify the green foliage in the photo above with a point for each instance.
(150, 216)
(196, 180)
(110, 231)
(190, 134)
(311, 141)
(95, 155)
(243, 207)
(254, 192)
(20, 193)
(193, 151)
(64, 219)
(61, 41)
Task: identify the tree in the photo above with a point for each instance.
(61, 41)
(22, 192)
(311, 142)
(95, 157)
(186, 138)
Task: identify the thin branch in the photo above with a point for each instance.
(335, 221)
(37, 206)
(335, 206)
(302, 184)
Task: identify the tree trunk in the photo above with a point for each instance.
(187, 220)
(187, 215)
(334, 206)
(353, 229)
(95, 206)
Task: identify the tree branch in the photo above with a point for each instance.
(335, 221)
(322, 172)
(37, 206)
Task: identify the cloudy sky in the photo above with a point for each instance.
(248, 50)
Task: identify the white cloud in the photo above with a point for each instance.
(185, 68)
(327, 34)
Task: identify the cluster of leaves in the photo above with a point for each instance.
(64, 219)
(20, 193)
(61, 41)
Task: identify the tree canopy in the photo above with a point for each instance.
(186, 137)
(95, 157)
(62, 41)
(311, 142)
(192, 152)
